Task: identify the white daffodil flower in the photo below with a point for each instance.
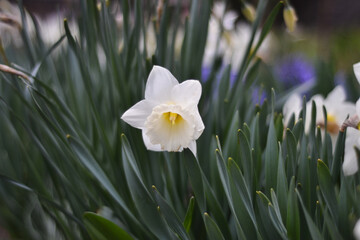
(168, 116)
(336, 106)
(357, 230)
(350, 165)
(337, 110)
(292, 106)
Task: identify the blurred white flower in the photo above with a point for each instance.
(337, 109)
(10, 24)
(350, 165)
(292, 106)
(168, 116)
(357, 230)
(220, 21)
(227, 18)
(227, 40)
(52, 28)
(149, 40)
(356, 67)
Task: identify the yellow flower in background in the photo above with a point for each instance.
(168, 116)
(290, 18)
(249, 12)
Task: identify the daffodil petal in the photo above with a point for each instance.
(358, 107)
(186, 93)
(199, 125)
(159, 85)
(350, 165)
(336, 96)
(137, 114)
(356, 68)
(172, 137)
(357, 230)
(192, 147)
(342, 112)
(149, 145)
(292, 105)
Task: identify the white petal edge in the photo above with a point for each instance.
(137, 114)
(159, 85)
(356, 68)
(192, 147)
(186, 93)
(199, 125)
(350, 165)
(149, 145)
(357, 230)
(358, 107)
(346, 109)
(336, 96)
(292, 105)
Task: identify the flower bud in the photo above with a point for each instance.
(290, 18)
(249, 12)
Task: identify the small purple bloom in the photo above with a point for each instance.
(258, 95)
(205, 73)
(294, 69)
(233, 76)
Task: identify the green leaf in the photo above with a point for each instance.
(94, 168)
(281, 186)
(195, 175)
(267, 26)
(256, 148)
(242, 201)
(314, 231)
(264, 218)
(141, 196)
(189, 215)
(212, 228)
(246, 158)
(218, 211)
(293, 216)
(171, 217)
(335, 167)
(275, 215)
(291, 147)
(298, 129)
(230, 149)
(271, 157)
(102, 228)
(224, 177)
(327, 188)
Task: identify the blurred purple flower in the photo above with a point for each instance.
(294, 70)
(233, 76)
(205, 73)
(258, 95)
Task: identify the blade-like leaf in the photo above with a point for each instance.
(105, 228)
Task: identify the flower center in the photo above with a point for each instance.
(173, 118)
(171, 126)
(332, 126)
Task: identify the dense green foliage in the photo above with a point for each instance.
(66, 155)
